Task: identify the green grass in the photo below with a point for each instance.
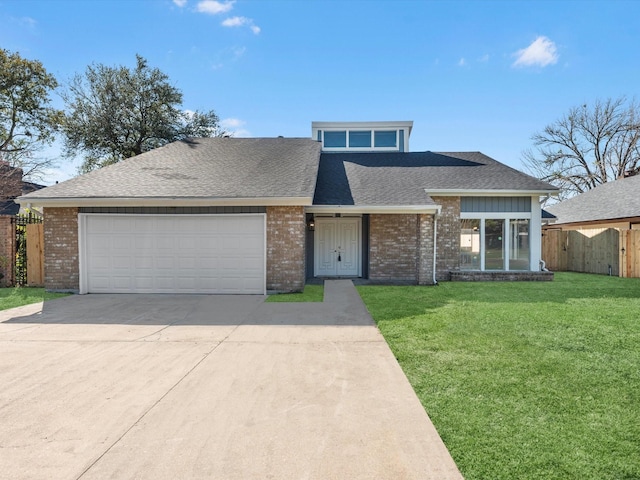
(19, 296)
(524, 380)
(311, 293)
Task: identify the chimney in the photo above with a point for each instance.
(10, 181)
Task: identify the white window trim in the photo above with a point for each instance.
(372, 148)
(506, 246)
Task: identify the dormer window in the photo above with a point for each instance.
(385, 138)
(335, 139)
(362, 136)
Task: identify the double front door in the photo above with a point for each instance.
(337, 247)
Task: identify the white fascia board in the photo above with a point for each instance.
(488, 193)
(430, 209)
(165, 202)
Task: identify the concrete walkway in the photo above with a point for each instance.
(208, 387)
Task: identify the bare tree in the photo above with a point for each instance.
(588, 146)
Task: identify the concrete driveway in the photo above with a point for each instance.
(208, 387)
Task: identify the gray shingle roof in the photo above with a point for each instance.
(612, 200)
(396, 178)
(247, 168)
(203, 167)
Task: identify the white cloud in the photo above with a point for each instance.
(484, 58)
(462, 62)
(235, 22)
(234, 126)
(213, 7)
(180, 3)
(241, 22)
(541, 52)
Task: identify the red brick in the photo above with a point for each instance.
(61, 249)
(286, 230)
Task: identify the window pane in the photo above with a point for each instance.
(384, 138)
(360, 139)
(335, 139)
(519, 245)
(494, 244)
(470, 244)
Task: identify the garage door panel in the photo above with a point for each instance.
(174, 254)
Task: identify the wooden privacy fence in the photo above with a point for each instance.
(606, 251)
(35, 255)
(630, 253)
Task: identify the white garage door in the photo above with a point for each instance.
(172, 253)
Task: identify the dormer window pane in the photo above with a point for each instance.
(335, 139)
(385, 138)
(360, 139)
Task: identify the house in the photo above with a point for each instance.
(249, 215)
(610, 205)
(12, 186)
(597, 231)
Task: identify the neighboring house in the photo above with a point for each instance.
(610, 205)
(11, 187)
(597, 231)
(9, 207)
(249, 215)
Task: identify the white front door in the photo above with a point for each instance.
(337, 247)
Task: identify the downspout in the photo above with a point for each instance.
(435, 248)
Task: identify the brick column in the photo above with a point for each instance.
(7, 249)
(286, 237)
(448, 242)
(425, 249)
(61, 271)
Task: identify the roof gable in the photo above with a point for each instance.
(395, 178)
(205, 168)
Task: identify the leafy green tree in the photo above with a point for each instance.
(27, 121)
(115, 113)
(588, 146)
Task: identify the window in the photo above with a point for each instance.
(519, 245)
(384, 138)
(484, 243)
(335, 139)
(363, 140)
(494, 244)
(470, 244)
(359, 139)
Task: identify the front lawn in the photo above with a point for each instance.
(19, 296)
(311, 293)
(524, 380)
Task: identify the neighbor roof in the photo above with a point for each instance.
(396, 178)
(9, 207)
(610, 201)
(235, 170)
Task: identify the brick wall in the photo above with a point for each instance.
(393, 245)
(286, 230)
(448, 248)
(7, 249)
(61, 249)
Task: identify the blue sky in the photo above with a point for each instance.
(472, 75)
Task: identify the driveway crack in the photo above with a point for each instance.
(162, 397)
